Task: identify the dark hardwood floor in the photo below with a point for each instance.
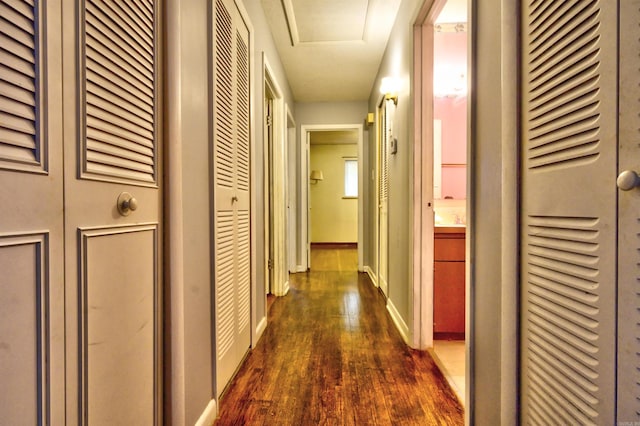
(332, 356)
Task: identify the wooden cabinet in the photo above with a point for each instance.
(449, 283)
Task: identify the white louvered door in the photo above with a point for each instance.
(569, 213)
(112, 145)
(386, 118)
(31, 220)
(231, 143)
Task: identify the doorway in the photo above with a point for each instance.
(441, 64)
(324, 133)
(276, 258)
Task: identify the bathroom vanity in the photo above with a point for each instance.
(449, 282)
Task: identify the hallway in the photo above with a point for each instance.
(331, 355)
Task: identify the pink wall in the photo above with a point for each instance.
(450, 50)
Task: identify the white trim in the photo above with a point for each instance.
(278, 215)
(300, 268)
(209, 414)
(305, 129)
(292, 186)
(372, 275)
(510, 259)
(261, 327)
(398, 321)
(423, 215)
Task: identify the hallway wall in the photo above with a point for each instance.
(397, 62)
(190, 363)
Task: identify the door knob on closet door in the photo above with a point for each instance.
(627, 180)
(127, 203)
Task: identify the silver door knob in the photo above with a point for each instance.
(127, 203)
(628, 180)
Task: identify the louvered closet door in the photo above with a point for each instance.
(31, 222)
(386, 117)
(113, 145)
(231, 190)
(569, 145)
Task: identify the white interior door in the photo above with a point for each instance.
(31, 206)
(568, 219)
(113, 156)
(386, 119)
(231, 159)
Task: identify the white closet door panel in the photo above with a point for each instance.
(31, 206)
(113, 147)
(568, 238)
(231, 179)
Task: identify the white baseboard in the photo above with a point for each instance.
(372, 276)
(209, 415)
(398, 321)
(262, 326)
(301, 268)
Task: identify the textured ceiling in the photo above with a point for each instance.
(331, 49)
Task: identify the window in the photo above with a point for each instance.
(350, 178)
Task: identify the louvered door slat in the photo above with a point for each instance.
(20, 144)
(23, 8)
(108, 81)
(242, 100)
(120, 58)
(132, 32)
(109, 112)
(568, 248)
(120, 92)
(224, 144)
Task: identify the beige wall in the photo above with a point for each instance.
(332, 218)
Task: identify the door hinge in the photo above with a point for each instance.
(269, 121)
(270, 263)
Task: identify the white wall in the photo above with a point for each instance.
(190, 361)
(398, 62)
(333, 218)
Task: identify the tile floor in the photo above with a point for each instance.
(450, 357)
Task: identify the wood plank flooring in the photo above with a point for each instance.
(332, 356)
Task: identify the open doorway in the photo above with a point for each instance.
(335, 186)
(450, 190)
(440, 208)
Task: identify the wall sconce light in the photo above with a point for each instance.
(316, 175)
(389, 88)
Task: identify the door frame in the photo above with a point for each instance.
(304, 251)
(423, 213)
(493, 303)
(275, 219)
(291, 190)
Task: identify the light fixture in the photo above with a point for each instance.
(316, 175)
(389, 87)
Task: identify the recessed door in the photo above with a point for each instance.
(112, 107)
